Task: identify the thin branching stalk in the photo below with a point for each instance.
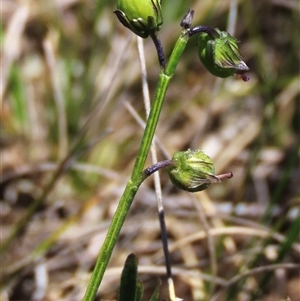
(157, 183)
(137, 175)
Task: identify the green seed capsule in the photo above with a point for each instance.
(192, 170)
(220, 55)
(141, 16)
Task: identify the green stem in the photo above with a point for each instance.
(137, 174)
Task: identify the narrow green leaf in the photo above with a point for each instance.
(139, 290)
(129, 279)
(155, 294)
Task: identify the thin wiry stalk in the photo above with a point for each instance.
(159, 49)
(157, 183)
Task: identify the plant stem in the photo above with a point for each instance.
(203, 28)
(137, 174)
(159, 165)
(159, 49)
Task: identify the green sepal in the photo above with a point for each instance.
(142, 17)
(192, 170)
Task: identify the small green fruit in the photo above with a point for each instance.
(192, 170)
(220, 55)
(143, 17)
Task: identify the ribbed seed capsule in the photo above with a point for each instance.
(220, 55)
(192, 170)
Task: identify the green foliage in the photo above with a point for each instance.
(155, 295)
(131, 288)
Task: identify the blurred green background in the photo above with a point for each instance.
(70, 80)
